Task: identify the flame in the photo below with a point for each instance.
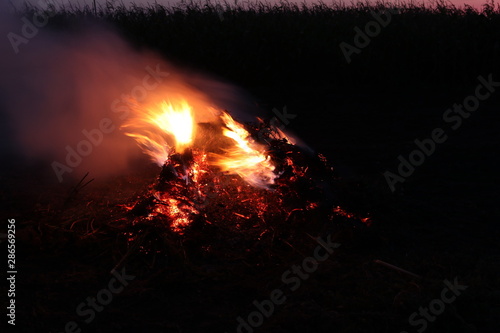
(152, 125)
(283, 135)
(154, 128)
(179, 122)
(246, 158)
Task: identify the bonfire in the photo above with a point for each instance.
(237, 178)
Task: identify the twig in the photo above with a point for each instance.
(300, 252)
(78, 187)
(383, 263)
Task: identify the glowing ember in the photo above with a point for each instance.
(178, 212)
(342, 212)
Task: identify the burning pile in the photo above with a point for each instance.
(225, 174)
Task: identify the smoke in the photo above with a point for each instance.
(64, 95)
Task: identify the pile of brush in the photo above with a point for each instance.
(215, 211)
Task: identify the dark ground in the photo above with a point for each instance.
(442, 223)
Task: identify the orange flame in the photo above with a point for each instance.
(246, 158)
(152, 126)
